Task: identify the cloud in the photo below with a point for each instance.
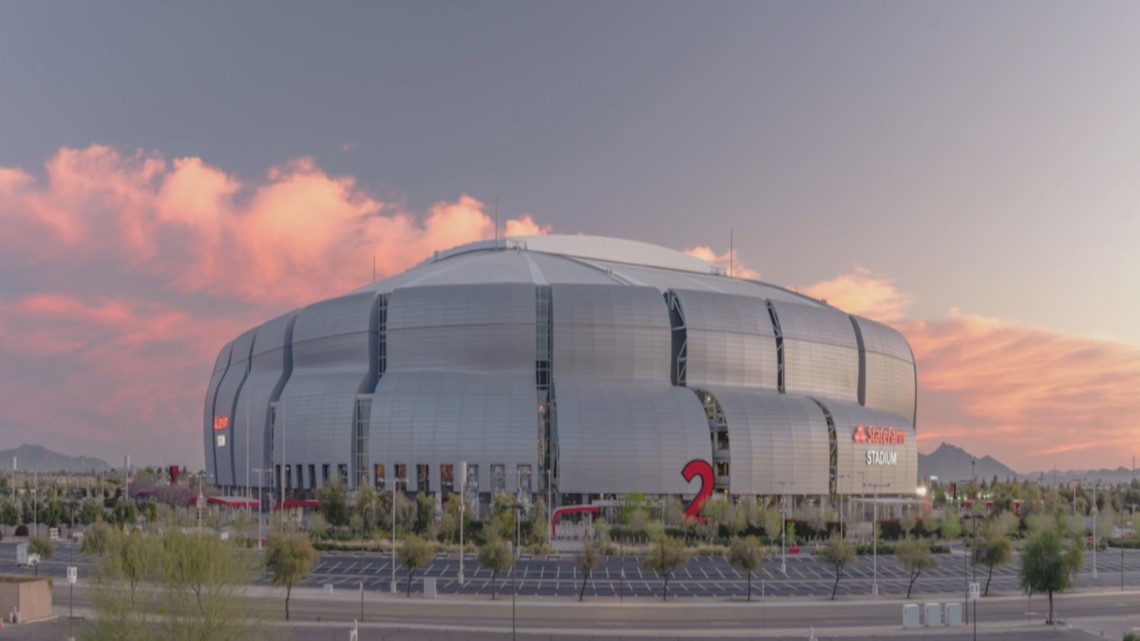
(525, 226)
(125, 274)
(865, 294)
(728, 261)
(1029, 396)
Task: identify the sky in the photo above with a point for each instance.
(969, 172)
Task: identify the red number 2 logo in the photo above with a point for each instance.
(703, 469)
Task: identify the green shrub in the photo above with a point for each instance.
(21, 530)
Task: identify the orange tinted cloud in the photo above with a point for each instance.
(132, 270)
(726, 261)
(864, 293)
(1031, 397)
(297, 234)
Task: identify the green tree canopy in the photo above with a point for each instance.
(1048, 565)
(838, 552)
(915, 556)
(588, 559)
(496, 557)
(665, 555)
(993, 550)
(414, 553)
(746, 555)
(289, 559)
(333, 501)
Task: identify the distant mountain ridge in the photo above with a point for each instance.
(36, 458)
(951, 463)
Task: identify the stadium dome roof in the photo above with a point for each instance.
(595, 260)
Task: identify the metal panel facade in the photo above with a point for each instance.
(857, 474)
(889, 369)
(778, 444)
(220, 365)
(622, 427)
(460, 382)
(269, 369)
(225, 404)
(332, 349)
(627, 436)
(730, 340)
(821, 353)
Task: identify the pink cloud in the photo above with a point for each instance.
(140, 268)
(728, 261)
(1031, 397)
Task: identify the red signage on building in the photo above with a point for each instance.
(873, 434)
(221, 422)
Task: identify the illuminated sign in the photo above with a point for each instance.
(882, 457)
(221, 422)
(221, 438)
(875, 435)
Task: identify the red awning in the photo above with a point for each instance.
(228, 501)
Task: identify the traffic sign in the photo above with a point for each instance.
(72, 574)
(975, 591)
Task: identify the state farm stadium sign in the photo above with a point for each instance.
(875, 435)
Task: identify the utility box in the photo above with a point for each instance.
(911, 616)
(429, 587)
(933, 615)
(21, 554)
(953, 614)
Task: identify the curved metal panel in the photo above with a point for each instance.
(821, 354)
(627, 436)
(777, 443)
(333, 345)
(225, 403)
(729, 340)
(610, 331)
(436, 417)
(268, 370)
(889, 369)
(856, 473)
(220, 365)
(474, 328)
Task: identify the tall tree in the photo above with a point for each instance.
(1047, 565)
(289, 559)
(665, 555)
(993, 550)
(414, 553)
(915, 556)
(838, 552)
(746, 555)
(587, 560)
(333, 501)
(494, 556)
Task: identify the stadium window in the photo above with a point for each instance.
(401, 477)
(342, 473)
(498, 479)
(378, 474)
(447, 478)
(312, 475)
(325, 473)
(423, 477)
(722, 468)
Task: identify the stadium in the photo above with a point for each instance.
(579, 367)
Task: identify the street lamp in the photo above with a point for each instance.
(783, 525)
(514, 557)
(260, 517)
(875, 535)
(462, 513)
(1094, 520)
(395, 482)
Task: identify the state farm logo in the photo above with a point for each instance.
(222, 421)
(873, 434)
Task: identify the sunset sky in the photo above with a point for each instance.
(968, 172)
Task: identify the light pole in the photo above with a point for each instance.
(392, 514)
(462, 513)
(1095, 512)
(514, 558)
(260, 517)
(875, 535)
(783, 525)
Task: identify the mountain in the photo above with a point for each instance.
(36, 458)
(1085, 477)
(951, 463)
